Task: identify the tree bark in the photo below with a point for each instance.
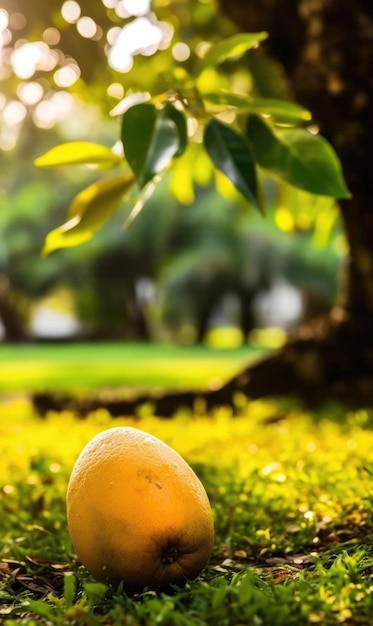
(12, 327)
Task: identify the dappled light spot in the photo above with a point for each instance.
(70, 11)
(309, 515)
(271, 338)
(313, 129)
(47, 322)
(144, 35)
(32, 56)
(214, 383)
(133, 7)
(86, 27)
(180, 51)
(44, 116)
(51, 36)
(32, 479)
(115, 90)
(8, 489)
(229, 337)
(280, 306)
(202, 47)
(54, 468)
(284, 219)
(113, 34)
(54, 109)
(8, 139)
(4, 20)
(14, 113)
(311, 446)
(119, 62)
(192, 126)
(26, 58)
(30, 93)
(270, 468)
(67, 75)
(5, 38)
(17, 21)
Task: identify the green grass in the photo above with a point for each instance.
(292, 500)
(80, 367)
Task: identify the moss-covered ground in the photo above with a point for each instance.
(292, 496)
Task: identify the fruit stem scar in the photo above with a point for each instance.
(170, 555)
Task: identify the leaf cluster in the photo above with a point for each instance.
(239, 134)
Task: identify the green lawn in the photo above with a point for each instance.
(79, 367)
(291, 493)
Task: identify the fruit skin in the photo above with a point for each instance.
(137, 512)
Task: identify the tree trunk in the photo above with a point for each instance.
(13, 329)
(326, 50)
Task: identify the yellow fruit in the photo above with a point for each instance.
(137, 512)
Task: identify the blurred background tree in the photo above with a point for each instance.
(194, 258)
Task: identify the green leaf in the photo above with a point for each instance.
(96, 592)
(69, 588)
(40, 608)
(170, 112)
(281, 111)
(150, 140)
(232, 155)
(90, 210)
(230, 48)
(78, 153)
(298, 157)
